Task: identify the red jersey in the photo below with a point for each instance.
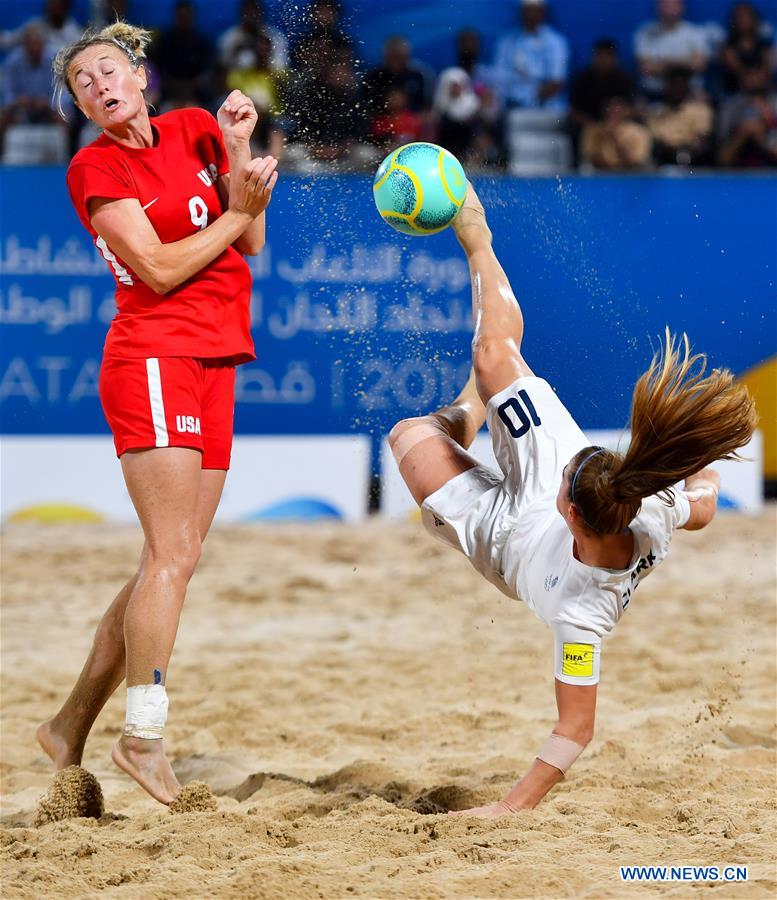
(175, 181)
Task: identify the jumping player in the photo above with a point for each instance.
(570, 529)
(172, 223)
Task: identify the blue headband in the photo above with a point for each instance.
(577, 475)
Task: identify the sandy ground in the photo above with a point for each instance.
(338, 686)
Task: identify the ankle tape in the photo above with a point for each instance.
(146, 711)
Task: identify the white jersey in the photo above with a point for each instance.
(508, 526)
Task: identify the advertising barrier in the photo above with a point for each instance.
(741, 482)
(357, 326)
(272, 479)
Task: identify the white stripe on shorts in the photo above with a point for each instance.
(157, 404)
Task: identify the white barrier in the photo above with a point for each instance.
(741, 482)
(271, 479)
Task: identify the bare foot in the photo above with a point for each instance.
(63, 752)
(470, 224)
(492, 811)
(145, 761)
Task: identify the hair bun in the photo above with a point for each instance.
(130, 36)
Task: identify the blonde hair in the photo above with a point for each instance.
(681, 420)
(130, 39)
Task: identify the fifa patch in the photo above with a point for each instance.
(578, 660)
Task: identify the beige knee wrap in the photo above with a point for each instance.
(414, 435)
(560, 752)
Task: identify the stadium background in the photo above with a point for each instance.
(430, 24)
(341, 686)
(357, 326)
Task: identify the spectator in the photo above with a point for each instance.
(595, 86)
(263, 85)
(184, 57)
(618, 142)
(531, 64)
(326, 122)
(56, 25)
(682, 125)
(468, 51)
(27, 85)
(487, 145)
(325, 35)
(600, 82)
(666, 43)
(242, 36)
(747, 126)
(746, 46)
(457, 108)
(397, 70)
(397, 124)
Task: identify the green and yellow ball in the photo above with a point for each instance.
(419, 188)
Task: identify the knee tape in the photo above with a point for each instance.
(414, 435)
(146, 711)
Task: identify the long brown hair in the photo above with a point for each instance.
(681, 420)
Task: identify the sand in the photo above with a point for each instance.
(339, 689)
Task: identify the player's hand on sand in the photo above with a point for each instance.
(256, 181)
(237, 118)
(492, 811)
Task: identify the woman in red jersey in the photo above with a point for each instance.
(158, 199)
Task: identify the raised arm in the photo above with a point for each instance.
(571, 734)
(125, 228)
(237, 119)
(702, 491)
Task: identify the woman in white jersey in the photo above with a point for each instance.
(568, 528)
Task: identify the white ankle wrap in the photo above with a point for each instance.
(146, 711)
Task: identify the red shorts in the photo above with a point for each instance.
(170, 402)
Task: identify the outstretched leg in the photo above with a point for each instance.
(496, 345)
(430, 450)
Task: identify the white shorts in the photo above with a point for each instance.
(534, 437)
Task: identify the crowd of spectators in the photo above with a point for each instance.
(699, 95)
(703, 96)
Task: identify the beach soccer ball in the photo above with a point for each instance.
(419, 188)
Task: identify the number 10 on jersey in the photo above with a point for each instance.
(516, 415)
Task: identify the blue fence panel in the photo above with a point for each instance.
(357, 326)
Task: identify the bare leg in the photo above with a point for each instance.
(496, 362)
(163, 485)
(496, 345)
(63, 737)
(430, 464)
